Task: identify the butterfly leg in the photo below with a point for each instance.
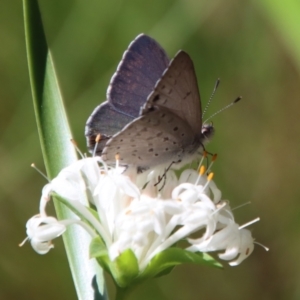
(164, 176)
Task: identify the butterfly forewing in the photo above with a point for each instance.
(178, 91)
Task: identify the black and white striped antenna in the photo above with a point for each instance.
(222, 109)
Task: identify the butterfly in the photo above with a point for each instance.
(153, 114)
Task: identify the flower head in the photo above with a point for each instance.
(145, 218)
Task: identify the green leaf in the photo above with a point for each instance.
(97, 248)
(165, 261)
(55, 135)
(125, 268)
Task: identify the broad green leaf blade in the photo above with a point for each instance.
(163, 262)
(51, 118)
(57, 149)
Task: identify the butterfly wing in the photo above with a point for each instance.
(155, 138)
(105, 121)
(141, 66)
(178, 91)
(169, 129)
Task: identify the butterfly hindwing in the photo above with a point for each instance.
(104, 121)
(141, 67)
(152, 139)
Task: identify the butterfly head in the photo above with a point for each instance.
(207, 131)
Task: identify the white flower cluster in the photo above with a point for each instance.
(142, 219)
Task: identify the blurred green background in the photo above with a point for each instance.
(253, 46)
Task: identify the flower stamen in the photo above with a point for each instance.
(263, 246)
(77, 149)
(202, 170)
(249, 223)
(117, 158)
(97, 140)
(242, 205)
(209, 179)
(213, 159)
(204, 156)
(39, 171)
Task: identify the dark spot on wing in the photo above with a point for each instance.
(187, 94)
(156, 98)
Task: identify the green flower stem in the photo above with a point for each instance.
(124, 293)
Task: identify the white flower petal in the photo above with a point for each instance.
(41, 230)
(41, 247)
(230, 253)
(216, 192)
